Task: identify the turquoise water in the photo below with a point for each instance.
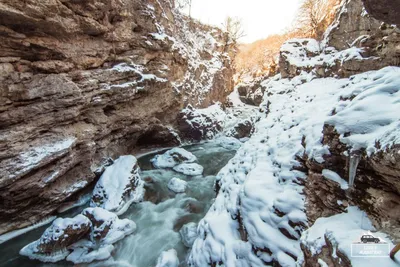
(158, 218)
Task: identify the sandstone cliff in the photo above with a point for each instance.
(83, 81)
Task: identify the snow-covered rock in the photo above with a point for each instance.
(338, 233)
(188, 234)
(369, 111)
(173, 157)
(85, 238)
(308, 55)
(192, 169)
(333, 176)
(197, 124)
(177, 185)
(119, 186)
(168, 258)
(259, 213)
(52, 245)
(107, 228)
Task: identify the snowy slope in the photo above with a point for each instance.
(258, 215)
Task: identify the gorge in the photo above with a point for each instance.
(125, 140)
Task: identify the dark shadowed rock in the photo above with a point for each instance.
(384, 10)
(243, 129)
(198, 124)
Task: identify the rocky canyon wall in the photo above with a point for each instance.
(84, 81)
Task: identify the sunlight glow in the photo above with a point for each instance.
(260, 17)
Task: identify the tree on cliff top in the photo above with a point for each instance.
(181, 4)
(234, 28)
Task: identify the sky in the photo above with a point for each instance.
(260, 17)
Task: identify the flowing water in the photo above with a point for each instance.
(158, 218)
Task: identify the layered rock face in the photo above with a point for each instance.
(85, 80)
(357, 26)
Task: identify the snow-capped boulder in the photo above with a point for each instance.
(87, 237)
(177, 185)
(52, 245)
(119, 186)
(173, 157)
(197, 124)
(188, 234)
(107, 227)
(168, 258)
(191, 169)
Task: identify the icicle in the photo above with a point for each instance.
(354, 160)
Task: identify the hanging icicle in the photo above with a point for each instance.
(353, 164)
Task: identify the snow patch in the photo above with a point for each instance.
(333, 176)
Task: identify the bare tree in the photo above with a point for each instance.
(234, 29)
(314, 16)
(181, 4)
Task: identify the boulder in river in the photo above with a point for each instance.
(173, 157)
(177, 185)
(119, 186)
(189, 234)
(106, 229)
(243, 129)
(168, 258)
(192, 169)
(87, 237)
(52, 245)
